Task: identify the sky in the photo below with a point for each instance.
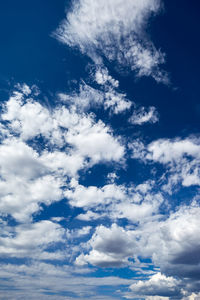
(100, 150)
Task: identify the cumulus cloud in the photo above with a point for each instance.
(25, 181)
(33, 173)
(172, 245)
(157, 285)
(92, 196)
(111, 247)
(116, 30)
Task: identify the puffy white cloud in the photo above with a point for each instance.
(92, 196)
(139, 208)
(62, 127)
(142, 115)
(29, 118)
(114, 29)
(95, 141)
(173, 244)
(25, 182)
(18, 159)
(111, 247)
(80, 232)
(157, 285)
(166, 151)
(33, 173)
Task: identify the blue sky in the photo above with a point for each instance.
(100, 150)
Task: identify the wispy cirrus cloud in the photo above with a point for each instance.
(116, 30)
(144, 115)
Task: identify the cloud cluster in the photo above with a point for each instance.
(111, 247)
(171, 243)
(180, 159)
(70, 141)
(135, 203)
(47, 281)
(116, 30)
(158, 284)
(42, 152)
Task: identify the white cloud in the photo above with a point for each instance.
(86, 98)
(25, 181)
(32, 241)
(24, 88)
(29, 118)
(138, 208)
(157, 285)
(107, 95)
(71, 141)
(166, 151)
(79, 232)
(102, 77)
(135, 203)
(95, 141)
(111, 247)
(38, 280)
(173, 245)
(115, 101)
(61, 127)
(144, 115)
(92, 196)
(90, 215)
(179, 157)
(182, 158)
(115, 29)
